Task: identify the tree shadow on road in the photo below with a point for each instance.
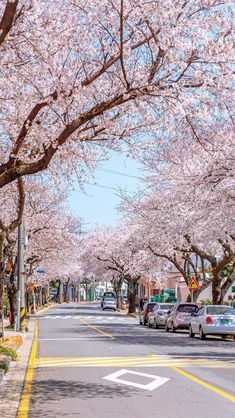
(47, 392)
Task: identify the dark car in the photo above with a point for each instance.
(143, 314)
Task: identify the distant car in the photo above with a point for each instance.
(157, 317)
(143, 315)
(213, 320)
(109, 303)
(107, 295)
(179, 316)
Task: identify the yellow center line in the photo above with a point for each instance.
(206, 385)
(106, 334)
(25, 398)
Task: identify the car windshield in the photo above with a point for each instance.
(165, 307)
(108, 294)
(220, 310)
(151, 306)
(187, 308)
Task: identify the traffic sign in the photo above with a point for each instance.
(193, 284)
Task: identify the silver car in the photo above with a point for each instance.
(213, 320)
(157, 317)
(179, 316)
(109, 303)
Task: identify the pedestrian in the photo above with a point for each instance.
(230, 300)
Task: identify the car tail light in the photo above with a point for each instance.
(209, 320)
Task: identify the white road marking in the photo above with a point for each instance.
(68, 339)
(156, 382)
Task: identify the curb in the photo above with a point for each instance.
(12, 383)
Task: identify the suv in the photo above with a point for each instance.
(180, 315)
(143, 315)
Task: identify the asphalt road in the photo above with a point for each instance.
(95, 364)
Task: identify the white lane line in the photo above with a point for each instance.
(68, 339)
(154, 384)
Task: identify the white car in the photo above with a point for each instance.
(157, 317)
(109, 303)
(213, 320)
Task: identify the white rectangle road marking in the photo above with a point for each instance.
(156, 382)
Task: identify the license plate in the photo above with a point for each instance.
(224, 321)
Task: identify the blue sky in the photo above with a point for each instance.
(97, 205)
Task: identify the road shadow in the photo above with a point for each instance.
(46, 393)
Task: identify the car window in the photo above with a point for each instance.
(187, 308)
(164, 306)
(220, 310)
(200, 311)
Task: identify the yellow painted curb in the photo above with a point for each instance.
(23, 409)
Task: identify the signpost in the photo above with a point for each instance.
(193, 285)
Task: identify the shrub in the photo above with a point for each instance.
(6, 351)
(206, 301)
(3, 366)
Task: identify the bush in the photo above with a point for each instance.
(3, 366)
(206, 301)
(6, 351)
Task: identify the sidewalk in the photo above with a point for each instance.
(12, 384)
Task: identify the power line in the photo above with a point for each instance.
(119, 173)
(100, 185)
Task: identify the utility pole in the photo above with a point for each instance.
(21, 311)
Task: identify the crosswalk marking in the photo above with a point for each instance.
(132, 362)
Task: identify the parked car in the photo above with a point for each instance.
(109, 303)
(213, 320)
(143, 314)
(157, 317)
(179, 316)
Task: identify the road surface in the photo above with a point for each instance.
(94, 364)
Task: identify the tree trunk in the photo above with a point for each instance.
(12, 297)
(117, 285)
(216, 289)
(131, 297)
(1, 289)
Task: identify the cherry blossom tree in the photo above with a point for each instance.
(189, 209)
(78, 78)
(114, 254)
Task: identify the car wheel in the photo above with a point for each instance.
(191, 333)
(202, 336)
(156, 325)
